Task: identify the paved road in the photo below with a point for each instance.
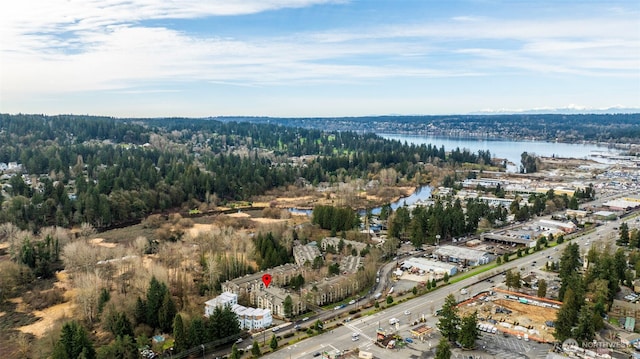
(341, 338)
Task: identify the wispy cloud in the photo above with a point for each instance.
(57, 46)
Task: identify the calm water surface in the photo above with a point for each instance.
(510, 150)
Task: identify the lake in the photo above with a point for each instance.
(510, 150)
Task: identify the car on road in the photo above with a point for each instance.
(406, 312)
(297, 327)
(305, 319)
(352, 302)
(316, 354)
(239, 340)
(355, 338)
(408, 340)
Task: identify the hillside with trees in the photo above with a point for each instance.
(111, 172)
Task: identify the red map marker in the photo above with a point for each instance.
(266, 279)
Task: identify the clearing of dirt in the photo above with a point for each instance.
(531, 312)
(199, 228)
(523, 315)
(100, 242)
(49, 316)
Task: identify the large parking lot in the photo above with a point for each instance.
(488, 346)
(511, 347)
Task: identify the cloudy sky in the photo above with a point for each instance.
(298, 58)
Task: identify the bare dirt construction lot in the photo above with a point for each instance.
(523, 318)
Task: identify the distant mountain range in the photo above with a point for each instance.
(566, 110)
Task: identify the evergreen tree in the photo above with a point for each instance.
(179, 335)
(567, 316)
(140, 312)
(197, 332)
(123, 347)
(542, 288)
(569, 263)
(623, 234)
(167, 313)
(255, 349)
(103, 299)
(74, 342)
(274, 343)
(585, 329)
(288, 306)
(121, 325)
(449, 320)
(155, 297)
(235, 354)
(468, 331)
(443, 350)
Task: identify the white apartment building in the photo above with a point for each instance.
(252, 318)
(225, 299)
(248, 318)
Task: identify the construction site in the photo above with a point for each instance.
(504, 312)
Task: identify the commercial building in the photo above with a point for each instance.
(429, 266)
(623, 204)
(566, 227)
(463, 256)
(495, 201)
(510, 238)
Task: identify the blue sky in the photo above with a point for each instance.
(299, 58)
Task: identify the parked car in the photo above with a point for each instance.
(408, 340)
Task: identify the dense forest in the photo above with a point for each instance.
(609, 128)
(107, 171)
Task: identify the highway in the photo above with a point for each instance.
(340, 338)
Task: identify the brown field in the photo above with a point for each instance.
(530, 313)
(523, 314)
(51, 315)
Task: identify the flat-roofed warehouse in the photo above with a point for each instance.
(429, 266)
(463, 256)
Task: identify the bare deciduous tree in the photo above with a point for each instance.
(88, 291)
(80, 256)
(87, 230)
